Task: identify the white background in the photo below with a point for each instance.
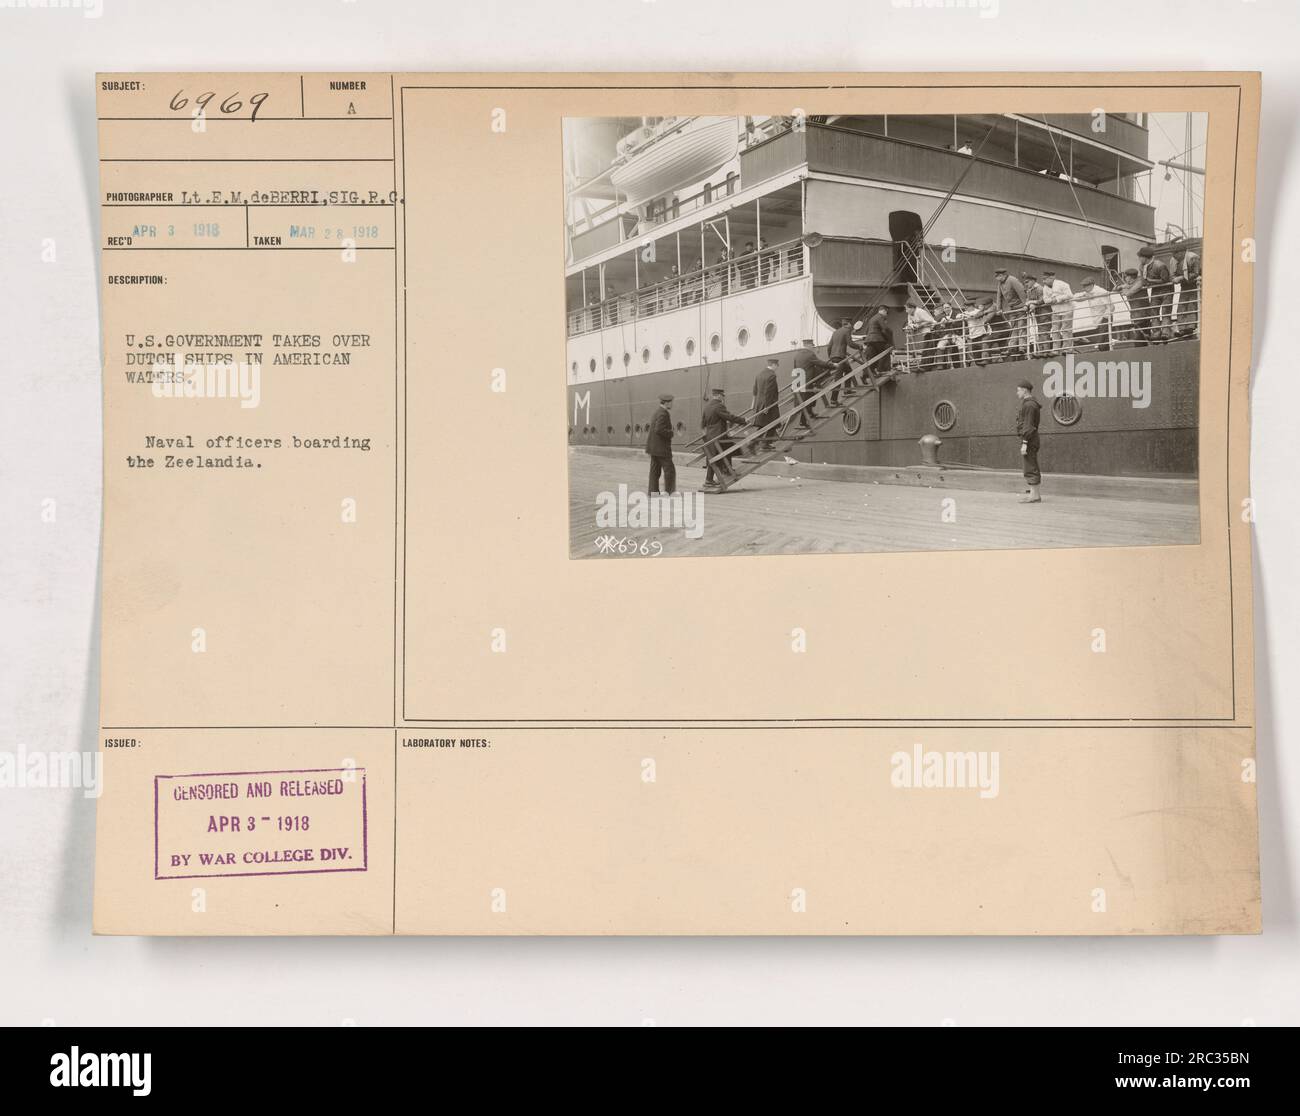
(55, 970)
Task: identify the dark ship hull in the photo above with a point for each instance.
(971, 409)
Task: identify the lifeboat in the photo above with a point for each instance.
(684, 153)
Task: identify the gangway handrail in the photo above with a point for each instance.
(783, 420)
(783, 395)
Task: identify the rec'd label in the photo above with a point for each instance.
(260, 823)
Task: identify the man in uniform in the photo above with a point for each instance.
(766, 410)
(876, 339)
(714, 420)
(809, 369)
(1027, 428)
(659, 445)
(838, 353)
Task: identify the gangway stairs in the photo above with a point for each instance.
(728, 467)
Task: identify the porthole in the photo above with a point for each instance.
(627, 359)
(609, 363)
(645, 355)
(668, 352)
(715, 342)
(769, 331)
(627, 429)
(593, 364)
(575, 367)
(945, 415)
(690, 346)
(1067, 410)
(742, 337)
(609, 430)
(638, 428)
(680, 427)
(851, 421)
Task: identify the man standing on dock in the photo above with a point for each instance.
(659, 445)
(1027, 428)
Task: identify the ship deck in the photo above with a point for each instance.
(767, 514)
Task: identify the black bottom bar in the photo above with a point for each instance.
(336, 1065)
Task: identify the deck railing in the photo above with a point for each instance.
(760, 268)
(1084, 322)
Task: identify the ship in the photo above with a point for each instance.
(699, 247)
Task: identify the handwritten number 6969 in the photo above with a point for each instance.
(231, 104)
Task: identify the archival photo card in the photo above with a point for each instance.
(948, 374)
(871, 331)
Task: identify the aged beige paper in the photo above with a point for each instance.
(397, 639)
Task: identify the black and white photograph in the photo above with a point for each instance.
(853, 333)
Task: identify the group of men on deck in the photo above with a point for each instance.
(1042, 315)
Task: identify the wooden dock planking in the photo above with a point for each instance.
(779, 515)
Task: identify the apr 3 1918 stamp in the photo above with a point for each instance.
(260, 823)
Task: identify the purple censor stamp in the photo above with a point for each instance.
(259, 823)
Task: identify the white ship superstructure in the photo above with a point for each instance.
(697, 247)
